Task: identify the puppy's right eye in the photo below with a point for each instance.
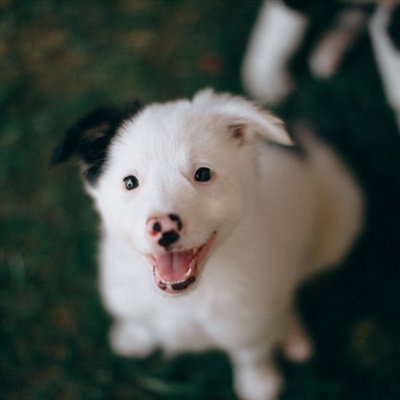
(202, 175)
(131, 182)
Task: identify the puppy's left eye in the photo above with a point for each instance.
(131, 182)
(202, 174)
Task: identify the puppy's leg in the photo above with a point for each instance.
(276, 36)
(255, 375)
(328, 54)
(131, 339)
(297, 345)
(387, 57)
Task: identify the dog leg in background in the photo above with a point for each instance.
(349, 24)
(277, 34)
(387, 56)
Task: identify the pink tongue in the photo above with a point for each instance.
(173, 266)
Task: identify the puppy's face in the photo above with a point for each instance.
(173, 180)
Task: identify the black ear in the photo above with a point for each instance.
(90, 137)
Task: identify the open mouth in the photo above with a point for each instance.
(175, 271)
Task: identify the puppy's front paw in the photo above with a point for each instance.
(258, 383)
(131, 340)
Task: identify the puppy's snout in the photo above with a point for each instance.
(164, 229)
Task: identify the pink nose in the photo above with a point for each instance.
(164, 229)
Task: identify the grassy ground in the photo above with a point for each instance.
(61, 58)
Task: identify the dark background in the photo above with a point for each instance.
(58, 60)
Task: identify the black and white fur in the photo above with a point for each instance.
(279, 32)
(208, 228)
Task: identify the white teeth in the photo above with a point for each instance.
(188, 273)
(186, 276)
(184, 279)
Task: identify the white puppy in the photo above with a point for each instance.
(208, 228)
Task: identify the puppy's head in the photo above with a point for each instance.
(172, 180)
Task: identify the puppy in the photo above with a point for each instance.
(210, 221)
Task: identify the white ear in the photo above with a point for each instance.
(244, 118)
(265, 125)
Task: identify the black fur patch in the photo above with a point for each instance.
(90, 137)
(175, 218)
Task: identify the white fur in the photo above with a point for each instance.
(387, 57)
(279, 219)
(277, 34)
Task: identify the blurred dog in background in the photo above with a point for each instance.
(279, 32)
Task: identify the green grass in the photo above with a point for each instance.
(59, 59)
